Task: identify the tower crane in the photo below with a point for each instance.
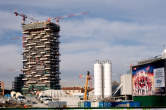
(58, 18)
(86, 85)
(24, 17)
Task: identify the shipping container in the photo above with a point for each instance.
(122, 104)
(82, 104)
(87, 104)
(134, 104)
(79, 104)
(114, 104)
(94, 104)
(57, 104)
(107, 104)
(101, 104)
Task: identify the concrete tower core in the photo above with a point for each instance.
(41, 56)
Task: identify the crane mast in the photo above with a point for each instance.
(86, 85)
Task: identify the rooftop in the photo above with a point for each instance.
(40, 25)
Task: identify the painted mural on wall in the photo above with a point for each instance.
(142, 80)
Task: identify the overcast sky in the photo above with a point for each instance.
(123, 31)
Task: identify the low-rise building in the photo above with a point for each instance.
(2, 88)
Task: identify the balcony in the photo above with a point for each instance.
(46, 81)
(47, 55)
(33, 72)
(42, 33)
(43, 39)
(30, 66)
(24, 69)
(28, 38)
(24, 60)
(31, 82)
(47, 62)
(37, 75)
(47, 49)
(40, 46)
(25, 41)
(43, 59)
(47, 36)
(46, 74)
(42, 52)
(34, 34)
(32, 63)
(29, 56)
(33, 43)
(30, 47)
(33, 53)
(25, 32)
(25, 50)
(37, 37)
(37, 56)
(48, 68)
(46, 42)
(25, 88)
(39, 67)
(28, 44)
(44, 78)
(47, 29)
(24, 79)
(28, 75)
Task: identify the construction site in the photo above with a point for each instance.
(39, 84)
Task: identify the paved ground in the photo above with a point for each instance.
(40, 105)
(37, 103)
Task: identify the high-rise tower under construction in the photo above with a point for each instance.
(41, 56)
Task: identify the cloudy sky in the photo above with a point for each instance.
(123, 31)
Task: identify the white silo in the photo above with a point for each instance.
(98, 90)
(107, 79)
(164, 54)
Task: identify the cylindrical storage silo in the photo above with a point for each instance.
(98, 79)
(164, 54)
(107, 79)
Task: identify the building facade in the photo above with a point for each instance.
(73, 90)
(41, 56)
(126, 82)
(18, 83)
(2, 88)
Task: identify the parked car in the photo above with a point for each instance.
(46, 101)
(21, 98)
(42, 98)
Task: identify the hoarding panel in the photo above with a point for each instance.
(148, 79)
(142, 80)
(159, 77)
